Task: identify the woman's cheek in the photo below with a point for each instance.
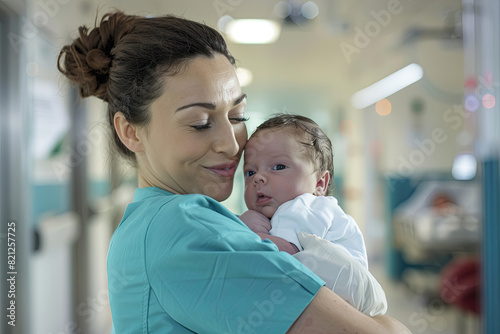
(241, 136)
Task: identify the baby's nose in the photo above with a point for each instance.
(259, 177)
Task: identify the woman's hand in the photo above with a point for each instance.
(256, 221)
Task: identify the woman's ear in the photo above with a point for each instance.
(322, 183)
(128, 133)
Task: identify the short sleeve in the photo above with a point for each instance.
(211, 274)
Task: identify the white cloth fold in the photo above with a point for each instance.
(321, 216)
(342, 273)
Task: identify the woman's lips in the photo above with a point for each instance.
(226, 169)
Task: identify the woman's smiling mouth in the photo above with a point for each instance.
(225, 169)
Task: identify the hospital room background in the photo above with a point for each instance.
(406, 90)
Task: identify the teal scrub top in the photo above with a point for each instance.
(186, 264)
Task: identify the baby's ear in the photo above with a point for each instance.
(322, 183)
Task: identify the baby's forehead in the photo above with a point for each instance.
(270, 135)
(273, 142)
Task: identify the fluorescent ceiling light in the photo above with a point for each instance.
(387, 86)
(464, 167)
(245, 76)
(309, 10)
(223, 21)
(253, 31)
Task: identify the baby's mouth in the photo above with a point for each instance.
(262, 199)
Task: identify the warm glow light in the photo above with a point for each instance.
(253, 31)
(245, 77)
(346, 127)
(387, 86)
(383, 107)
(464, 167)
(375, 147)
(488, 101)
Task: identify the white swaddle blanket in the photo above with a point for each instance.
(343, 274)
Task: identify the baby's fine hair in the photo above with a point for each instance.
(308, 133)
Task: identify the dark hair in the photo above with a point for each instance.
(123, 61)
(307, 132)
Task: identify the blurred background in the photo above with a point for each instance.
(405, 89)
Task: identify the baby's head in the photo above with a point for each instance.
(287, 156)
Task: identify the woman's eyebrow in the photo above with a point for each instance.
(205, 105)
(240, 99)
(208, 105)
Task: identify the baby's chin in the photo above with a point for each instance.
(268, 211)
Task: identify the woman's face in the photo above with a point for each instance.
(196, 133)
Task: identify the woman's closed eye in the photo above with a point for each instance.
(208, 125)
(202, 126)
(238, 119)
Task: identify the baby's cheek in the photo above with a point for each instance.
(248, 201)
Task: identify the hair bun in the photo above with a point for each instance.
(88, 60)
(98, 60)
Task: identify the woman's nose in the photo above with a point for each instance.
(225, 140)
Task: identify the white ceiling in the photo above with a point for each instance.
(308, 60)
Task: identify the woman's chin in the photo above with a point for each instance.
(217, 191)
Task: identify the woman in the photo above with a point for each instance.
(186, 264)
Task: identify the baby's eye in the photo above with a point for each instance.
(249, 173)
(279, 167)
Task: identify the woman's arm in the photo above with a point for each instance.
(329, 314)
